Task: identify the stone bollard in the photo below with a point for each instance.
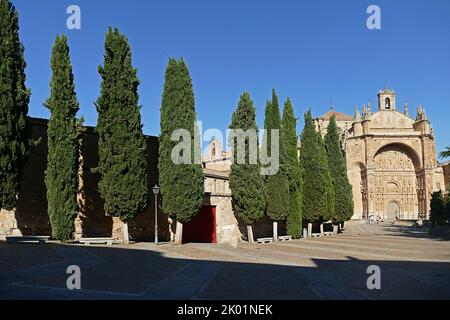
(309, 230)
(335, 229)
(321, 229)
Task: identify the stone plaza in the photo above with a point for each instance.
(413, 265)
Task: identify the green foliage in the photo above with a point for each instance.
(14, 98)
(438, 209)
(289, 160)
(338, 170)
(327, 180)
(246, 182)
(181, 184)
(445, 154)
(122, 146)
(447, 207)
(277, 185)
(61, 176)
(318, 193)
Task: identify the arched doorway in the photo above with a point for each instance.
(393, 211)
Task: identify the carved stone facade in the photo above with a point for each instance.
(391, 160)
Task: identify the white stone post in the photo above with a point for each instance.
(179, 233)
(250, 234)
(275, 231)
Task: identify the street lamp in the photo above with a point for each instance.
(155, 192)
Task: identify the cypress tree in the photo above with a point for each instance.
(338, 169)
(277, 185)
(318, 202)
(437, 206)
(246, 182)
(290, 162)
(14, 98)
(182, 185)
(327, 180)
(61, 176)
(122, 145)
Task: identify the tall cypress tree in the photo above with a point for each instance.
(288, 138)
(338, 169)
(14, 98)
(61, 176)
(277, 185)
(122, 145)
(246, 182)
(314, 165)
(182, 185)
(327, 181)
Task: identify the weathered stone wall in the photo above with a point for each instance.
(31, 216)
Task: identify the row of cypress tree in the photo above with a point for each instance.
(311, 188)
(329, 193)
(122, 146)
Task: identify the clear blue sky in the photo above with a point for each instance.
(311, 51)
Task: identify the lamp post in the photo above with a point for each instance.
(155, 192)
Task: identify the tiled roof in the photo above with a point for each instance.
(339, 116)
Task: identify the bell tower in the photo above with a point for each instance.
(386, 100)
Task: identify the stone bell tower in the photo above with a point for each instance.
(386, 99)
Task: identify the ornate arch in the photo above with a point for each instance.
(401, 147)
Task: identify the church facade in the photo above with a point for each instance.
(391, 159)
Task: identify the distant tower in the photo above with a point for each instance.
(386, 99)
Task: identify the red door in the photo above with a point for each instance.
(202, 228)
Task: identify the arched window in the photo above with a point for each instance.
(387, 103)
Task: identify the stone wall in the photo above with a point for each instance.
(31, 215)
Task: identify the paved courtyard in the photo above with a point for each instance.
(413, 264)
